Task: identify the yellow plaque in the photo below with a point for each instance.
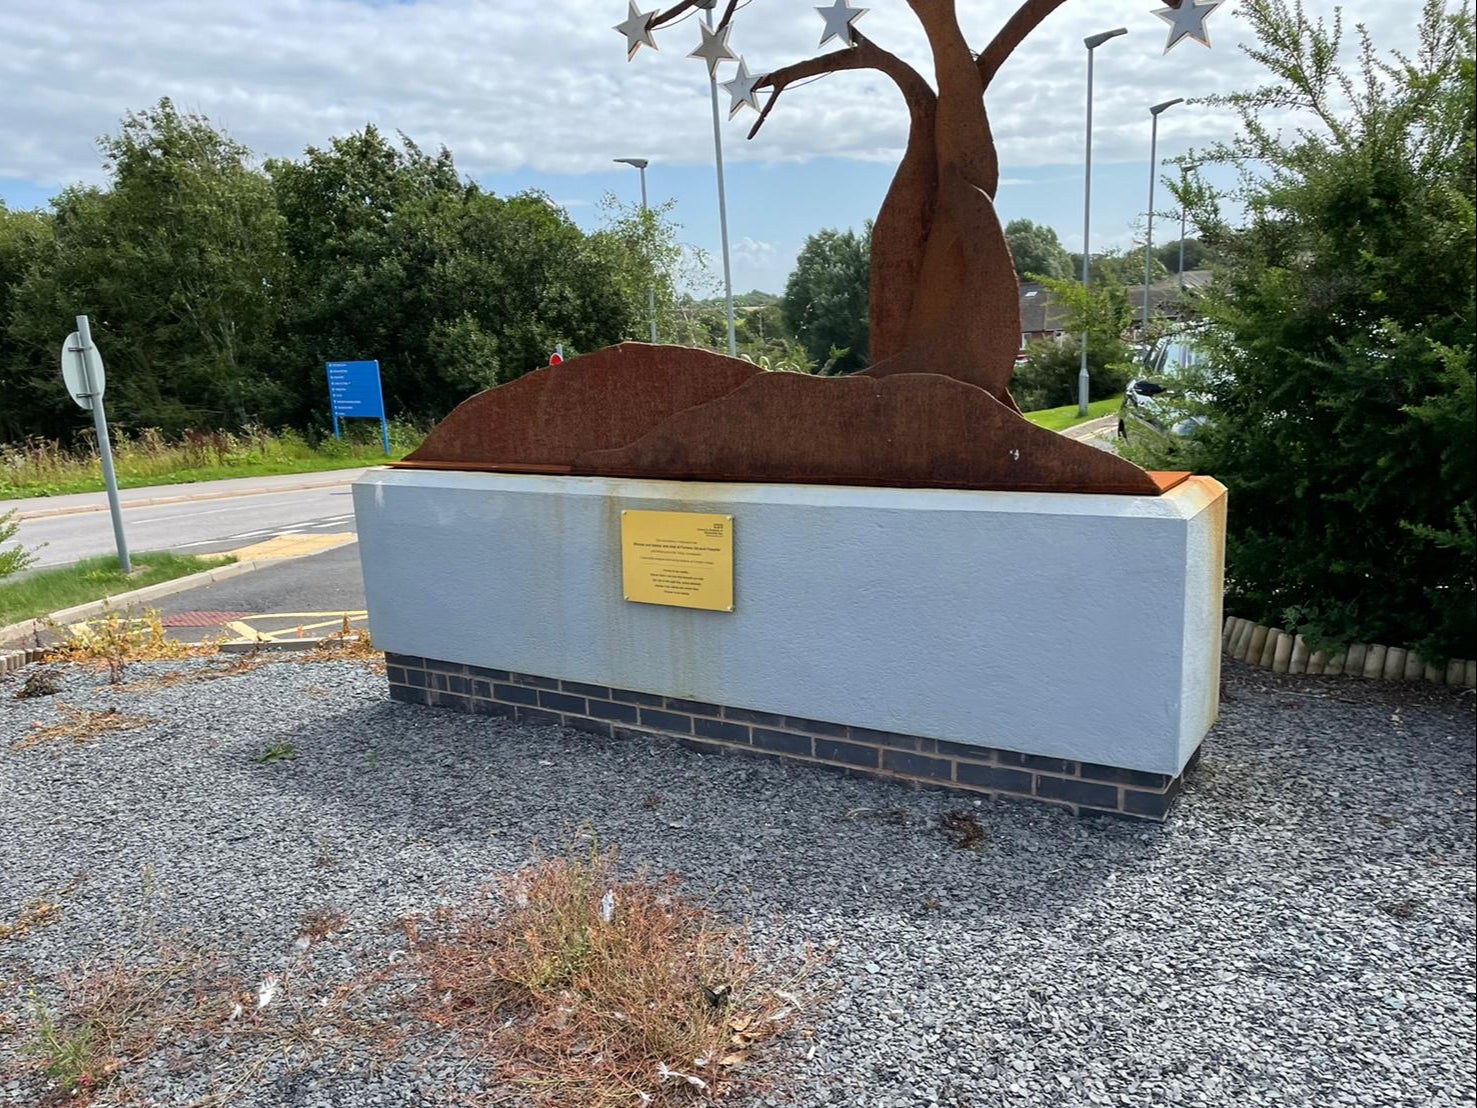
(680, 558)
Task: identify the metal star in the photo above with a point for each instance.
(1188, 21)
(637, 29)
(839, 17)
(741, 92)
(714, 48)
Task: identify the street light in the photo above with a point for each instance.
(1092, 42)
(1184, 170)
(707, 6)
(1154, 114)
(641, 164)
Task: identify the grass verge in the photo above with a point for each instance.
(1059, 419)
(50, 590)
(41, 467)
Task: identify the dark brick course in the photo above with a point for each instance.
(781, 742)
(721, 729)
(1034, 761)
(515, 694)
(993, 777)
(1077, 792)
(853, 754)
(693, 707)
(917, 765)
(666, 721)
(1086, 788)
(561, 702)
(606, 709)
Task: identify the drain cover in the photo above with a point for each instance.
(201, 619)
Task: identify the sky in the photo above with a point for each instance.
(533, 94)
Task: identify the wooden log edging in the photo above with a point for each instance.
(12, 660)
(1282, 652)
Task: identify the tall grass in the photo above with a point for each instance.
(43, 467)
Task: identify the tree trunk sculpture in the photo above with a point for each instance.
(944, 296)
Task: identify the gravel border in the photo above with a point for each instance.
(1300, 933)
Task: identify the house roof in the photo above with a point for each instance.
(1041, 314)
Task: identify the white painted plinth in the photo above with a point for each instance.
(1065, 625)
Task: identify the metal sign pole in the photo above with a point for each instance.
(379, 383)
(104, 444)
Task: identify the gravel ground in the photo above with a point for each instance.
(1300, 933)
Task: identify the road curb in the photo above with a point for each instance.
(123, 600)
(152, 501)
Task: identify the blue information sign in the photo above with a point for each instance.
(354, 392)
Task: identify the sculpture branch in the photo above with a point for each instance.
(728, 13)
(672, 13)
(1026, 19)
(865, 54)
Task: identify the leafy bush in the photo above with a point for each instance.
(1340, 390)
(17, 557)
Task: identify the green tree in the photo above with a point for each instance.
(25, 241)
(1197, 255)
(1047, 378)
(1119, 267)
(1340, 396)
(1037, 250)
(826, 298)
(393, 256)
(176, 263)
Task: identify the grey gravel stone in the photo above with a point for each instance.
(1301, 933)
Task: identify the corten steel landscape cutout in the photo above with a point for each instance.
(933, 410)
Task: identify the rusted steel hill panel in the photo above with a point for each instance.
(910, 430)
(612, 397)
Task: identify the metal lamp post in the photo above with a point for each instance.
(641, 164)
(1184, 169)
(1154, 113)
(1092, 42)
(707, 6)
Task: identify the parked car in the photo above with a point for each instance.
(1150, 405)
(1153, 401)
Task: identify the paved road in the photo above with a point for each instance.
(328, 583)
(196, 526)
(1101, 433)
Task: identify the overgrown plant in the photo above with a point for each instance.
(592, 989)
(119, 638)
(1338, 390)
(17, 557)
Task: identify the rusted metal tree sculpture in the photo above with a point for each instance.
(944, 295)
(945, 317)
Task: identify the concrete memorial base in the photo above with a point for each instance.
(1059, 646)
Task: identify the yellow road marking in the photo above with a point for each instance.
(292, 546)
(245, 631)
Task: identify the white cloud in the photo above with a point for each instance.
(509, 84)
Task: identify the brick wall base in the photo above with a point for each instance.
(1083, 787)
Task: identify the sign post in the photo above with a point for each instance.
(354, 391)
(82, 370)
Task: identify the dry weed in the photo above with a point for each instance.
(962, 827)
(115, 1016)
(39, 911)
(118, 639)
(589, 990)
(234, 667)
(347, 644)
(80, 725)
(36, 912)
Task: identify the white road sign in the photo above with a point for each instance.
(75, 374)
